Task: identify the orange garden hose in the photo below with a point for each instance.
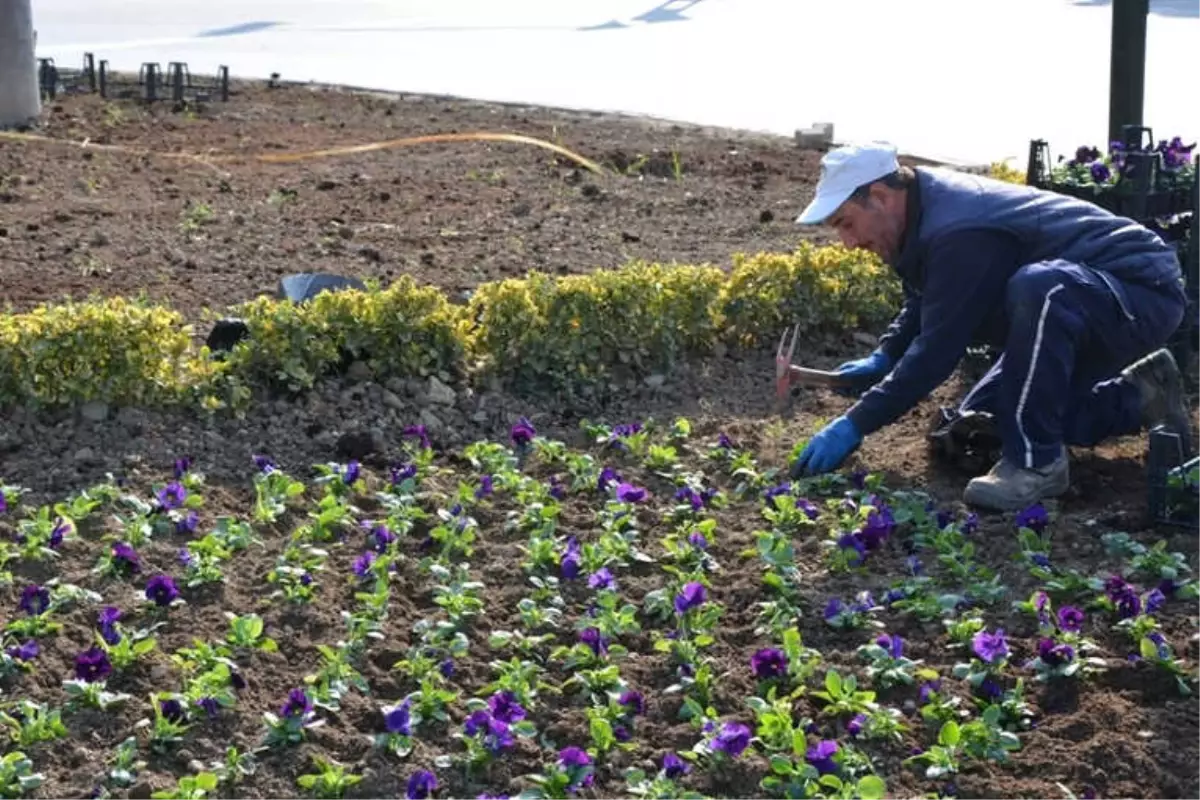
(287, 158)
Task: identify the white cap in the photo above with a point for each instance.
(842, 171)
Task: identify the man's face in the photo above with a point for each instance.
(876, 225)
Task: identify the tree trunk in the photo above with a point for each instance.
(20, 96)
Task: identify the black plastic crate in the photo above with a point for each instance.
(1174, 493)
(1139, 192)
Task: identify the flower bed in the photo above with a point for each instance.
(649, 616)
(580, 334)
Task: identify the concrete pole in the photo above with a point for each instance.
(20, 96)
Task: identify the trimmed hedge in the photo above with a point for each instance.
(579, 333)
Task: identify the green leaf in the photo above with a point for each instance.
(871, 787)
(1147, 648)
(949, 735)
(781, 765)
(833, 683)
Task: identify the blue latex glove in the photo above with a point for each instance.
(864, 372)
(828, 449)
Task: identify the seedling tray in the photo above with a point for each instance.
(1174, 492)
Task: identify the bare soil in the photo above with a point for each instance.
(75, 222)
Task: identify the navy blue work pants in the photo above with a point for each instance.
(1071, 330)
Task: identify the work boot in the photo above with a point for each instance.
(1008, 487)
(1160, 385)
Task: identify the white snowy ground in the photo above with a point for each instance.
(966, 80)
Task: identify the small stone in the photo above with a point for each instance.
(141, 791)
(479, 417)
(359, 371)
(326, 185)
(85, 455)
(326, 439)
(94, 411)
(656, 380)
(719, 350)
(414, 387)
(133, 420)
(865, 339)
(392, 400)
(159, 672)
(357, 445)
(430, 421)
(395, 384)
(440, 393)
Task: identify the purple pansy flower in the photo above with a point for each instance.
(696, 539)
(675, 767)
(446, 668)
(522, 432)
(34, 600)
(1070, 619)
(24, 652)
(106, 622)
(808, 507)
(398, 719)
(264, 464)
(628, 493)
(172, 495)
(633, 701)
(362, 564)
(692, 595)
(571, 559)
(505, 707)
(732, 739)
(769, 663)
(1034, 518)
(92, 665)
(577, 763)
(990, 647)
(421, 784)
(162, 590)
(380, 537)
(601, 579)
(187, 525)
(172, 710)
(821, 756)
(182, 465)
(854, 726)
(1053, 654)
(419, 432)
(892, 645)
(592, 638)
(608, 476)
(402, 472)
(486, 487)
(298, 705)
(125, 557)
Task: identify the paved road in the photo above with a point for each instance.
(968, 80)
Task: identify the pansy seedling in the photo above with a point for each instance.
(843, 697)
(247, 631)
(17, 775)
(294, 719)
(331, 780)
(887, 665)
(664, 784)
(31, 723)
(776, 725)
(1154, 649)
(41, 536)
